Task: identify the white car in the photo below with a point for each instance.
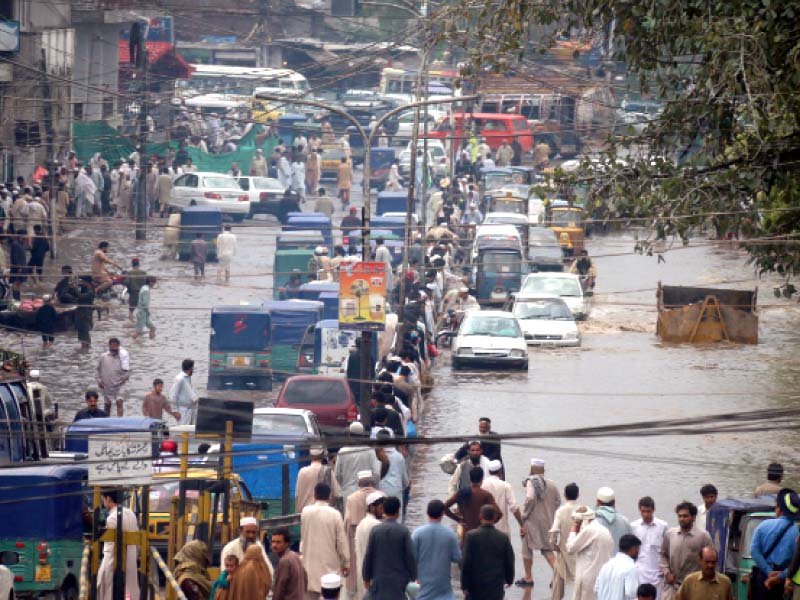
(546, 321)
(210, 189)
(490, 338)
(405, 126)
(265, 193)
(565, 285)
(439, 162)
(294, 421)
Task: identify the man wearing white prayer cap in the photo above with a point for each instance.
(354, 511)
(542, 499)
(608, 516)
(503, 493)
(248, 536)
(330, 584)
(311, 475)
(374, 506)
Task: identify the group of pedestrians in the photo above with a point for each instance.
(113, 373)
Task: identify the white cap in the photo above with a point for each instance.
(374, 497)
(494, 466)
(356, 427)
(605, 494)
(582, 513)
(244, 521)
(330, 581)
(537, 462)
(316, 451)
(364, 474)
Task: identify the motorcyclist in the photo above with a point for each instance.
(584, 268)
(459, 300)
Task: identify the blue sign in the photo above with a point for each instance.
(219, 39)
(9, 36)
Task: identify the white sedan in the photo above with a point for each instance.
(490, 338)
(546, 321)
(210, 189)
(565, 285)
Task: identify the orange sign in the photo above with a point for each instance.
(362, 296)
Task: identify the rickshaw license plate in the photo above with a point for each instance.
(239, 361)
(43, 573)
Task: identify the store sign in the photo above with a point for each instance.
(9, 36)
(362, 296)
(121, 459)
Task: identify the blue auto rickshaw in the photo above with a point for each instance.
(731, 524)
(41, 538)
(239, 349)
(312, 222)
(291, 333)
(397, 225)
(206, 220)
(326, 292)
(76, 437)
(330, 301)
(391, 202)
(381, 159)
(498, 271)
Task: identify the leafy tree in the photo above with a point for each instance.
(725, 151)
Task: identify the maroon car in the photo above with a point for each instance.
(329, 398)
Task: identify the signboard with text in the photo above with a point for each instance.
(362, 296)
(9, 36)
(120, 459)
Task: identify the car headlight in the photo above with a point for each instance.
(571, 335)
(518, 353)
(465, 351)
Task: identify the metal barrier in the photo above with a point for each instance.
(173, 583)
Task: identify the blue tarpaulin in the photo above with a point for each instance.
(240, 328)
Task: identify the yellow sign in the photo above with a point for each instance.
(43, 574)
(362, 296)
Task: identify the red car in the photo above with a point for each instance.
(329, 398)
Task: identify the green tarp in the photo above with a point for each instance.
(89, 137)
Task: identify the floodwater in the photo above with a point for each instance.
(621, 374)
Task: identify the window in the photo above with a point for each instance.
(279, 423)
(7, 9)
(311, 391)
(244, 183)
(520, 125)
(77, 111)
(14, 424)
(108, 107)
(5, 438)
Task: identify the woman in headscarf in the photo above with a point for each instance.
(191, 570)
(252, 580)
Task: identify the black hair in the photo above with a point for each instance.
(391, 506)
(113, 495)
(488, 512)
(187, 364)
(775, 471)
(571, 491)
(91, 394)
(686, 505)
(647, 502)
(646, 591)
(628, 541)
(114, 340)
(322, 491)
(435, 509)
(476, 475)
(708, 489)
(284, 533)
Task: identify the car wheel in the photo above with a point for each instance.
(192, 202)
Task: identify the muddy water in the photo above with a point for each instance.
(620, 374)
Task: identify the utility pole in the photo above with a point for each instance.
(141, 196)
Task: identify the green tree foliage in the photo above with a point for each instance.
(725, 151)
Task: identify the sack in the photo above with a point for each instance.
(411, 430)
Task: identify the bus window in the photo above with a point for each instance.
(14, 424)
(5, 438)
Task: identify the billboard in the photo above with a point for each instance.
(9, 36)
(362, 296)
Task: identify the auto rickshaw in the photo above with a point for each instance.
(391, 202)
(286, 264)
(498, 270)
(312, 222)
(567, 221)
(494, 179)
(206, 220)
(239, 349)
(286, 126)
(291, 240)
(731, 524)
(290, 321)
(41, 538)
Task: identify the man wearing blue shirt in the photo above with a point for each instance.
(436, 547)
(773, 544)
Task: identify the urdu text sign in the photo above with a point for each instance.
(121, 459)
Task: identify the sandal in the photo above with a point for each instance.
(524, 583)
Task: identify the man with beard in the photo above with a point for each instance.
(475, 458)
(248, 536)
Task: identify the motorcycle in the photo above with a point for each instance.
(448, 329)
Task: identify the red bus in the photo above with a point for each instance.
(495, 127)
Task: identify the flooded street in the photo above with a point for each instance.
(611, 379)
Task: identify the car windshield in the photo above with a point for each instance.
(509, 205)
(492, 181)
(221, 182)
(542, 237)
(315, 391)
(567, 218)
(555, 286)
(505, 220)
(542, 309)
(267, 183)
(161, 496)
(492, 327)
(279, 423)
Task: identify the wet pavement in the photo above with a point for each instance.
(622, 373)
